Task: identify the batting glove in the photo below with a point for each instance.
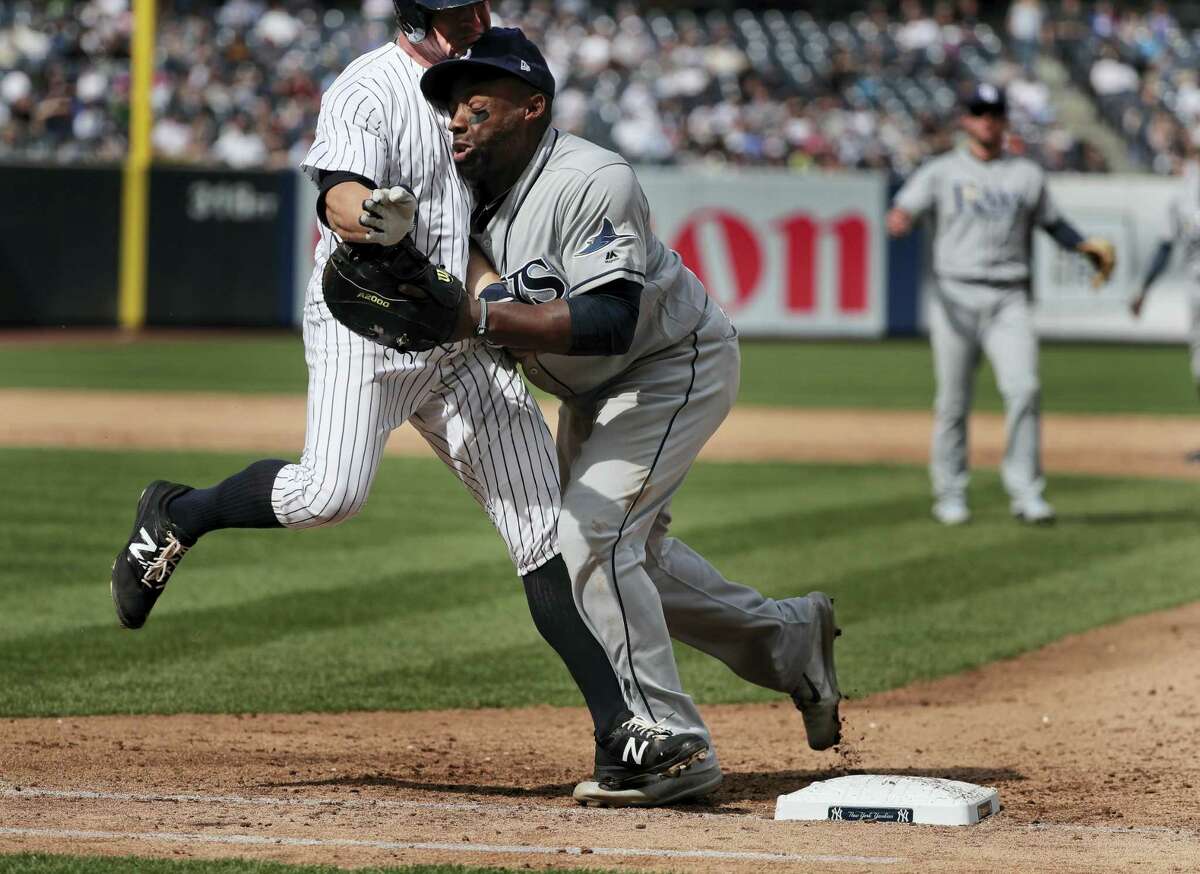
(388, 214)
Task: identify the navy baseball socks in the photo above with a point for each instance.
(631, 753)
(170, 518)
(241, 501)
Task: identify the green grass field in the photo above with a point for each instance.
(381, 612)
(892, 375)
(372, 614)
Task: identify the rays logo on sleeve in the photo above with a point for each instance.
(602, 240)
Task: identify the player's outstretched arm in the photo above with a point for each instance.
(899, 222)
(1162, 257)
(1100, 252)
(601, 322)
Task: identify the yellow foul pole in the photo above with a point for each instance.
(131, 302)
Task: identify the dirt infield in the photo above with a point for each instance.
(1131, 445)
(1091, 741)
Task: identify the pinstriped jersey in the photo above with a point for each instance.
(375, 122)
(575, 220)
(984, 214)
(465, 399)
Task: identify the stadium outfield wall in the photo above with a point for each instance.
(787, 255)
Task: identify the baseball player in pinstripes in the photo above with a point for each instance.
(382, 160)
(647, 368)
(985, 205)
(1183, 221)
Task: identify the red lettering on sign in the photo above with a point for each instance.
(741, 249)
(800, 261)
(852, 234)
(801, 268)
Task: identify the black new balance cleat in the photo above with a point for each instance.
(155, 547)
(642, 764)
(818, 696)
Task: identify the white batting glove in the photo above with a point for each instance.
(388, 214)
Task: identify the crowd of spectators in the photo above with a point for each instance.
(1140, 64)
(239, 82)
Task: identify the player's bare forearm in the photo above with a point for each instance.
(541, 328)
(899, 222)
(343, 206)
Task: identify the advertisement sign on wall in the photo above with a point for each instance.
(1132, 212)
(784, 254)
(220, 247)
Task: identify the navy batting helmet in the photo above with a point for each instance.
(413, 15)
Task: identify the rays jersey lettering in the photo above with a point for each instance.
(576, 220)
(536, 282)
(984, 213)
(990, 202)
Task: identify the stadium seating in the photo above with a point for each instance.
(239, 82)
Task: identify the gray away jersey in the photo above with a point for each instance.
(1184, 213)
(984, 213)
(375, 122)
(575, 220)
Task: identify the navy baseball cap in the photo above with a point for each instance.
(986, 98)
(499, 50)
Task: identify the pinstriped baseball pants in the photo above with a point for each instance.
(465, 399)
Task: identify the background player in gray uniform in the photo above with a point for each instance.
(647, 367)
(1183, 220)
(382, 159)
(985, 205)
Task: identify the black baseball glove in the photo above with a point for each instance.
(392, 295)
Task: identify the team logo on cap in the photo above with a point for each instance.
(989, 93)
(524, 66)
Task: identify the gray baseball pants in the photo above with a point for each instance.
(964, 321)
(623, 454)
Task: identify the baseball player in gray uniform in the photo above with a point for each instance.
(608, 319)
(1183, 219)
(382, 159)
(985, 205)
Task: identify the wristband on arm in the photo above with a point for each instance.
(327, 179)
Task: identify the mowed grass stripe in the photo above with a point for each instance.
(414, 604)
(894, 374)
(919, 601)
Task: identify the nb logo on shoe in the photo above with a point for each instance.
(632, 751)
(147, 545)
